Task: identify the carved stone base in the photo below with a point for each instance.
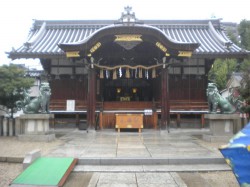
(35, 127)
(222, 126)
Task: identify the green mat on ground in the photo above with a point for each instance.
(45, 171)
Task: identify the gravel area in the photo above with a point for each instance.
(210, 179)
(8, 172)
(219, 179)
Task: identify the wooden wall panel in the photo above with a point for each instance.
(156, 89)
(64, 89)
(148, 122)
(187, 89)
(108, 121)
(127, 105)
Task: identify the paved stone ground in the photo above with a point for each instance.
(148, 146)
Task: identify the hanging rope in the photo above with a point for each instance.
(127, 66)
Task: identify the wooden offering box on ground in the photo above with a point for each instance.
(129, 121)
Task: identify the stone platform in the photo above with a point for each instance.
(151, 150)
(35, 127)
(222, 126)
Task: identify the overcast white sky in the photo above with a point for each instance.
(16, 15)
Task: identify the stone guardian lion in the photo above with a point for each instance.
(216, 101)
(39, 104)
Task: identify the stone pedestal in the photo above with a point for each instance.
(222, 126)
(35, 127)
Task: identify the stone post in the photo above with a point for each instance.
(5, 127)
(18, 126)
(11, 127)
(1, 125)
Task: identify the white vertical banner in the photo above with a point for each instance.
(70, 105)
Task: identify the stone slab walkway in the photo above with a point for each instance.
(148, 144)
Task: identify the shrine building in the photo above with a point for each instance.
(100, 69)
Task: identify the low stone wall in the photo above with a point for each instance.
(30, 127)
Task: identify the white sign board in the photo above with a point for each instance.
(148, 112)
(70, 105)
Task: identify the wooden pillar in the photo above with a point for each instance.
(100, 120)
(202, 121)
(165, 108)
(155, 118)
(178, 120)
(91, 99)
(77, 120)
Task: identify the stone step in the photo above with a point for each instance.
(152, 168)
(151, 161)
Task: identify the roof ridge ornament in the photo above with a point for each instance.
(128, 16)
(222, 40)
(36, 37)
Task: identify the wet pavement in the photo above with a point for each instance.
(152, 158)
(148, 144)
(147, 159)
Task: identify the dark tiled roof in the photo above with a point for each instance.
(45, 35)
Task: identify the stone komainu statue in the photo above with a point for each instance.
(235, 99)
(40, 104)
(216, 101)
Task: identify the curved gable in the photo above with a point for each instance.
(147, 34)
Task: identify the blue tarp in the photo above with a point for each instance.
(237, 155)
